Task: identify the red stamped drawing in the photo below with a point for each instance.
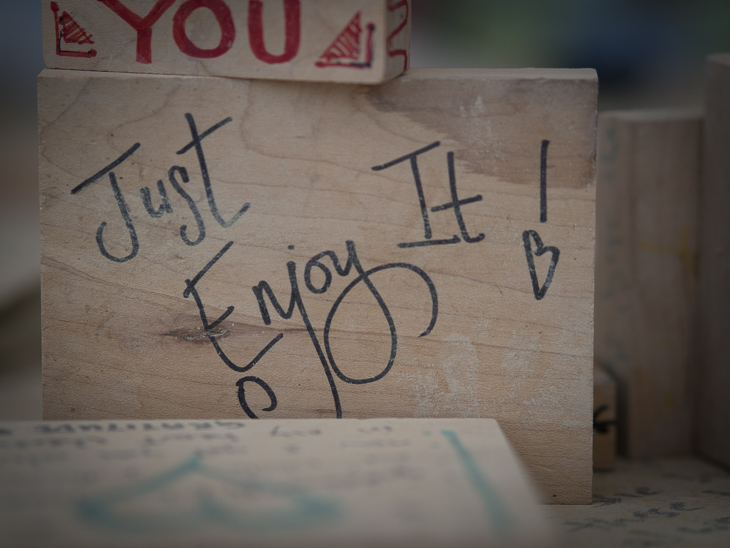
(346, 49)
(68, 31)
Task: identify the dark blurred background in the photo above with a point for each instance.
(648, 53)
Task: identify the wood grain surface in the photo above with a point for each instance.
(325, 250)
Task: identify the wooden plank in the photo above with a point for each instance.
(359, 41)
(459, 308)
(648, 191)
(317, 482)
(604, 419)
(714, 325)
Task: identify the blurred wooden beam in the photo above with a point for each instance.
(649, 167)
(714, 318)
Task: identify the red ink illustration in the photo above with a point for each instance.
(293, 29)
(345, 50)
(224, 17)
(70, 32)
(392, 6)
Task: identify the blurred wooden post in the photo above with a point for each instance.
(646, 270)
(714, 317)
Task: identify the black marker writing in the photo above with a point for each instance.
(543, 180)
(454, 204)
(191, 204)
(266, 299)
(197, 143)
(242, 394)
(191, 289)
(121, 203)
(177, 177)
(365, 277)
(539, 251)
(165, 206)
(529, 235)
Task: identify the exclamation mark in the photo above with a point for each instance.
(543, 181)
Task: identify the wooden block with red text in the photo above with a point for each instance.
(248, 248)
(649, 166)
(713, 424)
(359, 41)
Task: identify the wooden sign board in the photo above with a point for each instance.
(649, 168)
(231, 248)
(224, 483)
(713, 425)
(362, 41)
